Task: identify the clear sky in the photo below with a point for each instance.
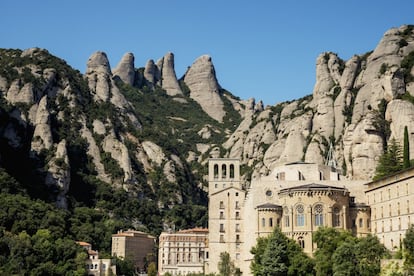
(265, 49)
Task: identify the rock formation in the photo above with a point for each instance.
(204, 88)
(126, 69)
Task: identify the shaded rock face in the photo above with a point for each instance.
(204, 88)
(125, 69)
(58, 174)
(42, 136)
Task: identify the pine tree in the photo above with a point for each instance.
(406, 150)
(390, 162)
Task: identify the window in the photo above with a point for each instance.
(221, 227)
(231, 171)
(237, 238)
(361, 223)
(221, 215)
(286, 221)
(318, 209)
(221, 205)
(237, 215)
(270, 222)
(301, 242)
(268, 193)
(263, 222)
(223, 171)
(237, 205)
(216, 171)
(221, 238)
(237, 256)
(300, 176)
(286, 216)
(237, 227)
(398, 208)
(300, 215)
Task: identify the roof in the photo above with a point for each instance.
(268, 206)
(194, 230)
(297, 163)
(312, 187)
(82, 243)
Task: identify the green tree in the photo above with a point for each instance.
(258, 251)
(279, 255)
(300, 264)
(124, 267)
(369, 251)
(275, 256)
(225, 265)
(390, 161)
(344, 259)
(406, 149)
(327, 240)
(152, 269)
(409, 249)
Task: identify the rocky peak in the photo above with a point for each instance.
(151, 73)
(125, 69)
(204, 88)
(98, 73)
(168, 78)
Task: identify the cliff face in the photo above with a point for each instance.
(145, 129)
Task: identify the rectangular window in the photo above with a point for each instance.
(318, 219)
(270, 222)
(221, 238)
(286, 221)
(221, 205)
(221, 227)
(221, 215)
(237, 227)
(300, 220)
(237, 215)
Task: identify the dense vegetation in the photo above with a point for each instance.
(96, 209)
(338, 253)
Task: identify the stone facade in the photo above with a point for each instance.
(391, 200)
(182, 252)
(298, 197)
(135, 245)
(225, 212)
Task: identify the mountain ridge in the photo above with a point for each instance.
(150, 133)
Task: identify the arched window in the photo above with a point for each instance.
(286, 216)
(318, 213)
(336, 217)
(271, 222)
(231, 171)
(301, 242)
(223, 171)
(263, 222)
(300, 215)
(216, 171)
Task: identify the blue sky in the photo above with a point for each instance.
(263, 49)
